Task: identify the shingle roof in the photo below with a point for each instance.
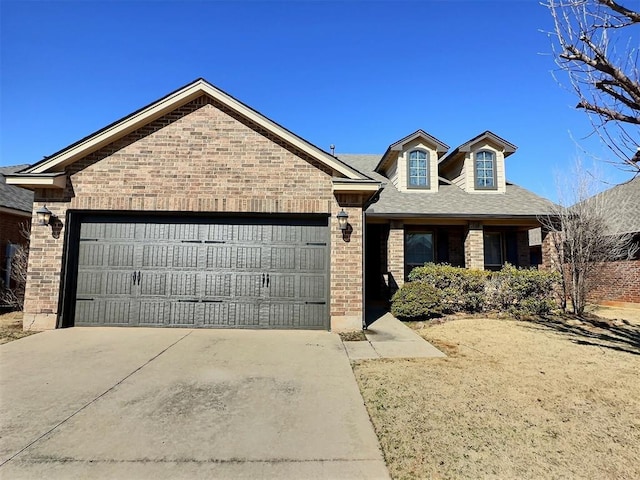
(14, 197)
(450, 200)
(622, 204)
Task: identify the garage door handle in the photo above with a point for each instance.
(315, 303)
(263, 278)
(267, 280)
(136, 279)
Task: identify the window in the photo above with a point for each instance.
(485, 170)
(418, 169)
(418, 250)
(493, 258)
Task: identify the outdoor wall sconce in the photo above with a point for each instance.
(43, 215)
(342, 220)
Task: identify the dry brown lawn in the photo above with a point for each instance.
(513, 400)
(11, 327)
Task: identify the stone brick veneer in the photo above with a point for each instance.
(395, 255)
(201, 157)
(474, 246)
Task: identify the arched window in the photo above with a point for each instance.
(485, 170)
(418, 169)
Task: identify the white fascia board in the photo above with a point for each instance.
(174, 101)
(31, 182)
(356, 187)
(121, 129)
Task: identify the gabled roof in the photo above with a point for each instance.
(14, 198)
(393, 150)
(621, 204)
(450, 201)
(508, 148)
(170, 102)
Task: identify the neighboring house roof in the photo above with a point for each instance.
(622, 204)
(450, 200)
(155, 110)
(12, 197)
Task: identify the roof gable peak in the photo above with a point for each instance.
(394, 148)
(175, 100)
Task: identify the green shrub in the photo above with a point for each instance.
(461, 290)
(521, 291)
(416, 301)
(435, 289)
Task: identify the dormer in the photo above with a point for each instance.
(477, 166)
(411, 163)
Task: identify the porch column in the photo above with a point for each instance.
(474, 246)
(395, 255)
(550, 254)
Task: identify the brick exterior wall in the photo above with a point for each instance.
(395, 255)
(474, 246)
(617, 282)
(347, 268)
(549, 252)
(200, 158)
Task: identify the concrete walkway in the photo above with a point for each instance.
(143, 403)
(388, 337)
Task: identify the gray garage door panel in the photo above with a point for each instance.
(251, 275)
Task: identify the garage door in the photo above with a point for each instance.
(251, 273)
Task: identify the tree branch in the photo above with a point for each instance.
(609, 113)
(616, 7)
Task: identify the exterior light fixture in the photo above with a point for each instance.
(342, 220)
(44, 215)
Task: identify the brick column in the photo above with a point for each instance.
(549, 252)
(395, 255)
(474, 246)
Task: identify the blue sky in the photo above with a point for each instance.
(357, 74)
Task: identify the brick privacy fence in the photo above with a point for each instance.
(617, 282)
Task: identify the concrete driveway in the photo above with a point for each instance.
(164, 403)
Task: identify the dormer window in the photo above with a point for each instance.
(485, 170)
(418, 169)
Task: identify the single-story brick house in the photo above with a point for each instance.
(197, 210)
(16, 205)
(618, 283)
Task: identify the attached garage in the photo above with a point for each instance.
(196, 211)
(176, 271)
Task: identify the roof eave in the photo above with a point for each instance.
(356, 187)
(34, 181)
(171, 102)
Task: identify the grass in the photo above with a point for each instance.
(11, 327)
(557, 398)
(357, 336)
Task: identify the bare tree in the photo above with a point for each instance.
(13, 294)
(584, 236)
(598, 44)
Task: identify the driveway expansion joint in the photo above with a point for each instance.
(69, 417)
